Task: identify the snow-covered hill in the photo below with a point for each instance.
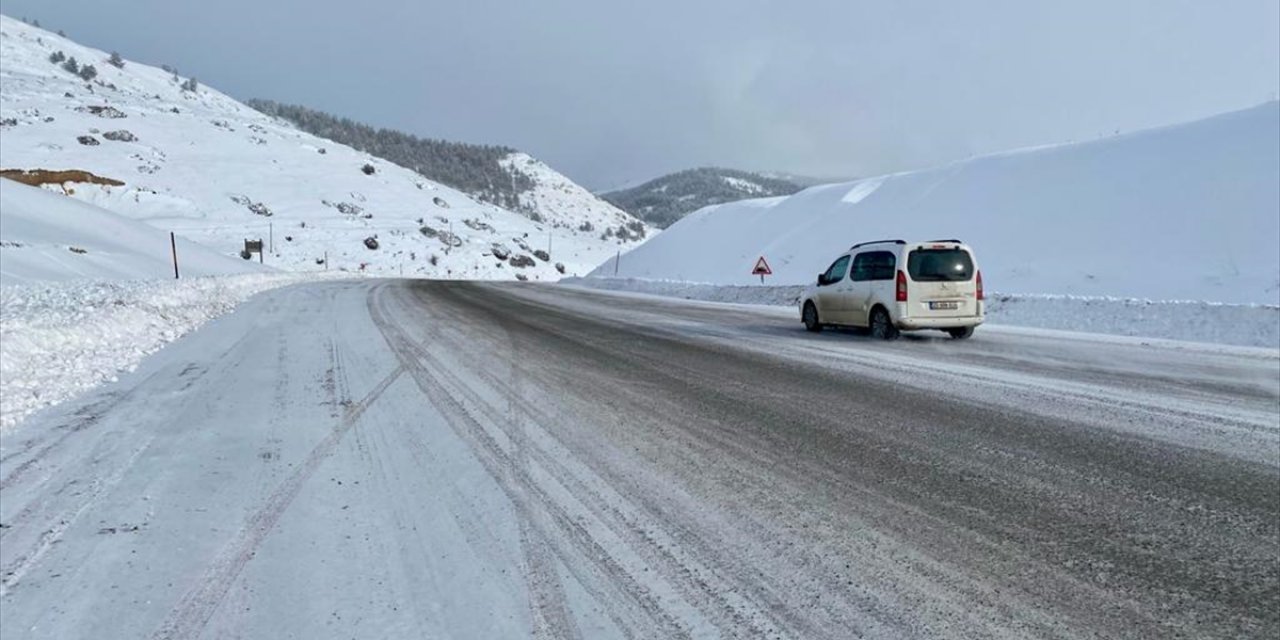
(217, 172)
(664, 200)
(49, 237)
(559, 201)
(497, 175)
(1184, 212)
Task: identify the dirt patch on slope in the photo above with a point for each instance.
(37, 177)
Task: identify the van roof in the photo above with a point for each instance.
(871, 242)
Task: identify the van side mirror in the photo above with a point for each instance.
(822, 279)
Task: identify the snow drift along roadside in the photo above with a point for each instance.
(1191, 321)
(60, 339)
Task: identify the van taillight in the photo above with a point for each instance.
(902, 286)
(979, 279)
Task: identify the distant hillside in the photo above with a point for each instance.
(663, 201)
(497, 175)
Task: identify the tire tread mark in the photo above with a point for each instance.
(198, 605)
(520, 488)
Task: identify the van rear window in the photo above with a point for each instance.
(940, 265)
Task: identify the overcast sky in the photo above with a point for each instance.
(612, 93)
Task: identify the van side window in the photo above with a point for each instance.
(874, 265)
(837, 270)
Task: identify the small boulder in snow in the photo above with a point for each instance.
(102, 111)
(120, 135)
(88, 141)
(521, 260)
(371, 243)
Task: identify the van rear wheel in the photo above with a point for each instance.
(960, 333)
(882, 326)
(810, 317)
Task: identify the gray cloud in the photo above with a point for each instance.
(616, 92)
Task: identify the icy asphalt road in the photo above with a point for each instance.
(385, 459)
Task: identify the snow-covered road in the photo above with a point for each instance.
(389, 459)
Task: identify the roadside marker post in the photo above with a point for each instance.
(762, 269)
(173, 247)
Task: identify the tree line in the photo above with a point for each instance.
(470, 168)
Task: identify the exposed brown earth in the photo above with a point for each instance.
(38, 177)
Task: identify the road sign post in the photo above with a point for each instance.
(762, 269)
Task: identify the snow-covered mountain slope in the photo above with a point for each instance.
(498, 175)
(217, 172)
(49, 237)
(1190, 211)
(664, 200)
(561, 202)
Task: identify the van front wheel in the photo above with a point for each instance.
(960, 333)
(810, 318)
(882, 326)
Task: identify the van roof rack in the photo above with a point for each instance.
(949, 240)
(861, 244)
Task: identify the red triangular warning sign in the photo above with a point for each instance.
(762, 268)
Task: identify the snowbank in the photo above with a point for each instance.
(1231, 324)
(1189, 212)
(45, 236)
(62, 338)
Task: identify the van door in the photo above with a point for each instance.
(832, 294)
(870, 271)
(942, 283)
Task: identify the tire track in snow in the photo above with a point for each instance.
(198, 605)
(529, 498)
(731, 599)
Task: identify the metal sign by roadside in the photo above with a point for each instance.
(762, 269)
(254, 246)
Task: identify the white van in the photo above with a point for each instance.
(889, 286)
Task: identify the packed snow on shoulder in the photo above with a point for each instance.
(1187, 212)
(183, 157)
(63, 338)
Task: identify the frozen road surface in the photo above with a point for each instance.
(387, 459)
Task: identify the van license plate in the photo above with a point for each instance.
(944, 306)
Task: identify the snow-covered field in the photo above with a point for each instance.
(50, 237)
(1188, 212)
(217, 172)
(1249, 325)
